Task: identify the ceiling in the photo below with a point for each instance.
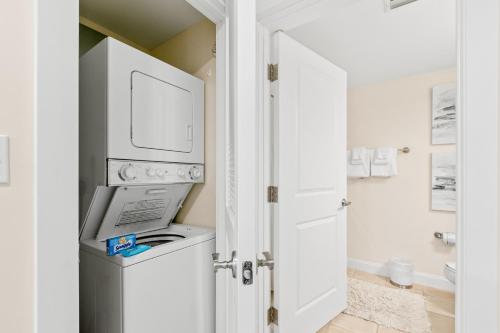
(148, 23)
(374, 45)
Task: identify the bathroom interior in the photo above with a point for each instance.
(401, 74)
(397, 64)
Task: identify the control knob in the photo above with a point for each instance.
(150, 172)
(194, 173)
(181, 173)
(127, 172)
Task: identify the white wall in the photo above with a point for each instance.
(16, 198)
(393, 217)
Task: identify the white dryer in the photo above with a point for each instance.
(169, 288)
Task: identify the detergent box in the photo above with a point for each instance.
(117, 244)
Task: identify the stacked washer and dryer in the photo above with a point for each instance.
(141, 151)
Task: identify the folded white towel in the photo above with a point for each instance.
(384, 162)
(358, 163)
(357, 155)
(381, 156)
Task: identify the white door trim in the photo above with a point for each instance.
(241, 156)
(222, 105)
(477, 148)
(56, 166)
(264, 163)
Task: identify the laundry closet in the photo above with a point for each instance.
(147, 167)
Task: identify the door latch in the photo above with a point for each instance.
(345, 203)
(268, 261)
(229, 264)
(247, 274)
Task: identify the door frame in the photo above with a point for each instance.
(478, 34)
(477, 288)
(56, 108)
(56, 178)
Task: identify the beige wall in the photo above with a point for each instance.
(16, 198)
(392, 217)
(103, 32)
(191, 51)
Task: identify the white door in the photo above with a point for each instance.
(236, 295)
(310, 224)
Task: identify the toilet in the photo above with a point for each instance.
(450, 270)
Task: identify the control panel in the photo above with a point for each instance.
(136, 172)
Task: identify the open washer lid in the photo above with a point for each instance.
(118, 211)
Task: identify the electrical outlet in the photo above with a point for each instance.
(4, 159)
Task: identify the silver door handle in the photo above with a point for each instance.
(268, 261)
(345, 203)
(229, 264)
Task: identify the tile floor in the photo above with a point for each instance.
(440, 308)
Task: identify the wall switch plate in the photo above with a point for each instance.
(4, 159)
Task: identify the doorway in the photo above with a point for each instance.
(434, 241)
(401, 65)
(477, 22)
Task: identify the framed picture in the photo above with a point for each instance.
(444, 184)
(444, 120)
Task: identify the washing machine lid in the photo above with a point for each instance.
(118, 211)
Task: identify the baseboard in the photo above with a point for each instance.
(429, 280)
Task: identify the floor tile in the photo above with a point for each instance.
(419, 287)
(428, 291)
(325, 328)
(442, 306)
(354, 324)
(334, 329)
(376, 279)
(351, 272)
(441, 324)
(383, 281)
(383, 329)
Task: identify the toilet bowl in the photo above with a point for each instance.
(450, 270)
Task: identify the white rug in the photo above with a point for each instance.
(390, 307)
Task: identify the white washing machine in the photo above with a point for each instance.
(168, 289)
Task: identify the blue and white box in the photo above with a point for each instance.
(117, 244)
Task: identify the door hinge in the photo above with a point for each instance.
(272, 72)
(272, 316)
(272, 194)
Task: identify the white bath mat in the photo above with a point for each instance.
(390, 307)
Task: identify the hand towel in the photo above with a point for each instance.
(381, 156)
(384, 162)
(357, 155)
(358, 163)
